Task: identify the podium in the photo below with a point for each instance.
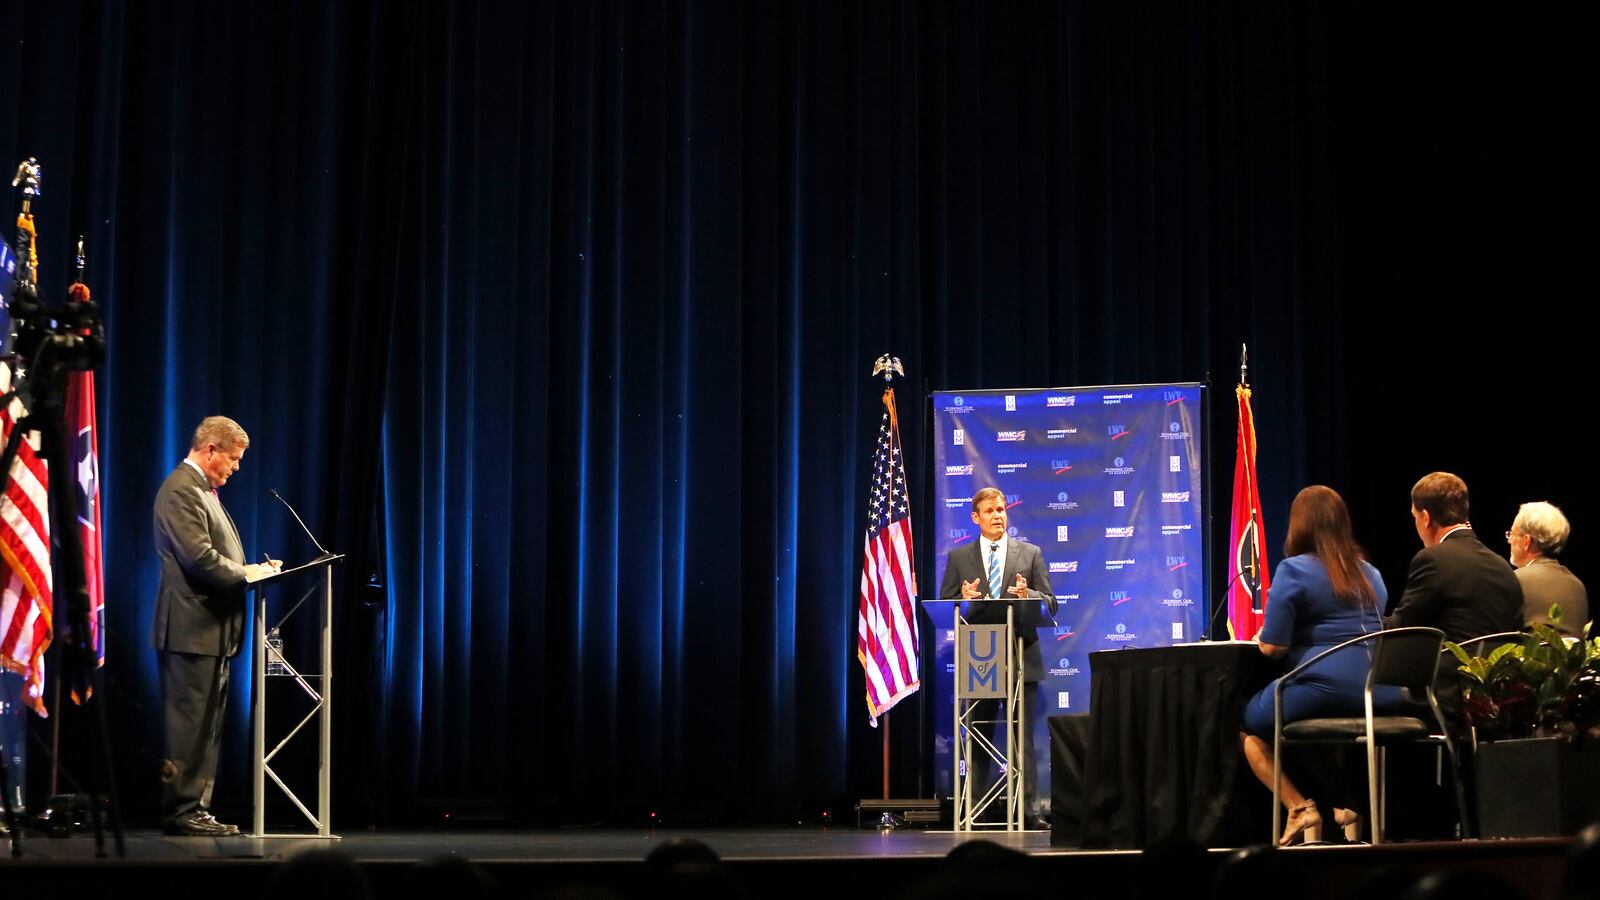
(269, 659)
(988, 668)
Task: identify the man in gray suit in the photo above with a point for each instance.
(1537, 535)
(199, 620)
(999, 566)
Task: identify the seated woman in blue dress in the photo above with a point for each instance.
(1322, 594)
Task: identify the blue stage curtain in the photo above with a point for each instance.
(558, 318)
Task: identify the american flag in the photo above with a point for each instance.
(887, 639)
(24, 557)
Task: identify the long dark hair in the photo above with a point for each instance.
(1319, 524)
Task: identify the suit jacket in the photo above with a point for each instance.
(966, 563)
(1462, 588)
(201, 597)
(1547, 583)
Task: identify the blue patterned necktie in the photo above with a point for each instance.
(994, 571)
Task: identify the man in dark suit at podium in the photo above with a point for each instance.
(997, 566)
(199, 620)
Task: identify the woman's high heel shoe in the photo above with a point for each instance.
(1303, 820)
(1349, 821)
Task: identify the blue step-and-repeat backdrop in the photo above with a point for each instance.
(1106, 481)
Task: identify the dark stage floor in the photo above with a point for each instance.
(553, 846)
(769, 862)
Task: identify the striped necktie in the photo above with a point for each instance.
(994, 571)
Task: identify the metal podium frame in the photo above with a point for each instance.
(1007, 788)
(322, 706)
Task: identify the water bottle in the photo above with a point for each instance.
(275, 664)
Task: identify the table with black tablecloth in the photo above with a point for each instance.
(1161, 756)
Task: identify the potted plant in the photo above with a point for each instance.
(1534, 707)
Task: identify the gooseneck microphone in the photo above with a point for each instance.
(274, 493)
(1249, 572)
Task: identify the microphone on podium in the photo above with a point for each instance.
(279, 497)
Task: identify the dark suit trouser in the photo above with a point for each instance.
(983, 767)
(194, 694)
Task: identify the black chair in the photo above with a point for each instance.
(1402, 657)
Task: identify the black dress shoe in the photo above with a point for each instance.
(199, 823)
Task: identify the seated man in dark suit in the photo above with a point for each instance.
(1455, 583)
(1459, 586)
(999, 566)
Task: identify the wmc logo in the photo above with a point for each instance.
(1116, 432)
(1174, 563)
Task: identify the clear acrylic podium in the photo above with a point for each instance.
(988, 668)
(317, 685)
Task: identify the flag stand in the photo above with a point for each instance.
(888, 637)
(52, 344)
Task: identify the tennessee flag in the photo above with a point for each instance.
(86, 478)
(1247, 556)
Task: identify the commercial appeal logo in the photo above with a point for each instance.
(1059, 434)
(957, 502)
(1114, 399)
(1010, 468)
(1117, 565)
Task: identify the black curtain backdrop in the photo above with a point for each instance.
(558, 319)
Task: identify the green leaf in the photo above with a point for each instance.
(1459, 653)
